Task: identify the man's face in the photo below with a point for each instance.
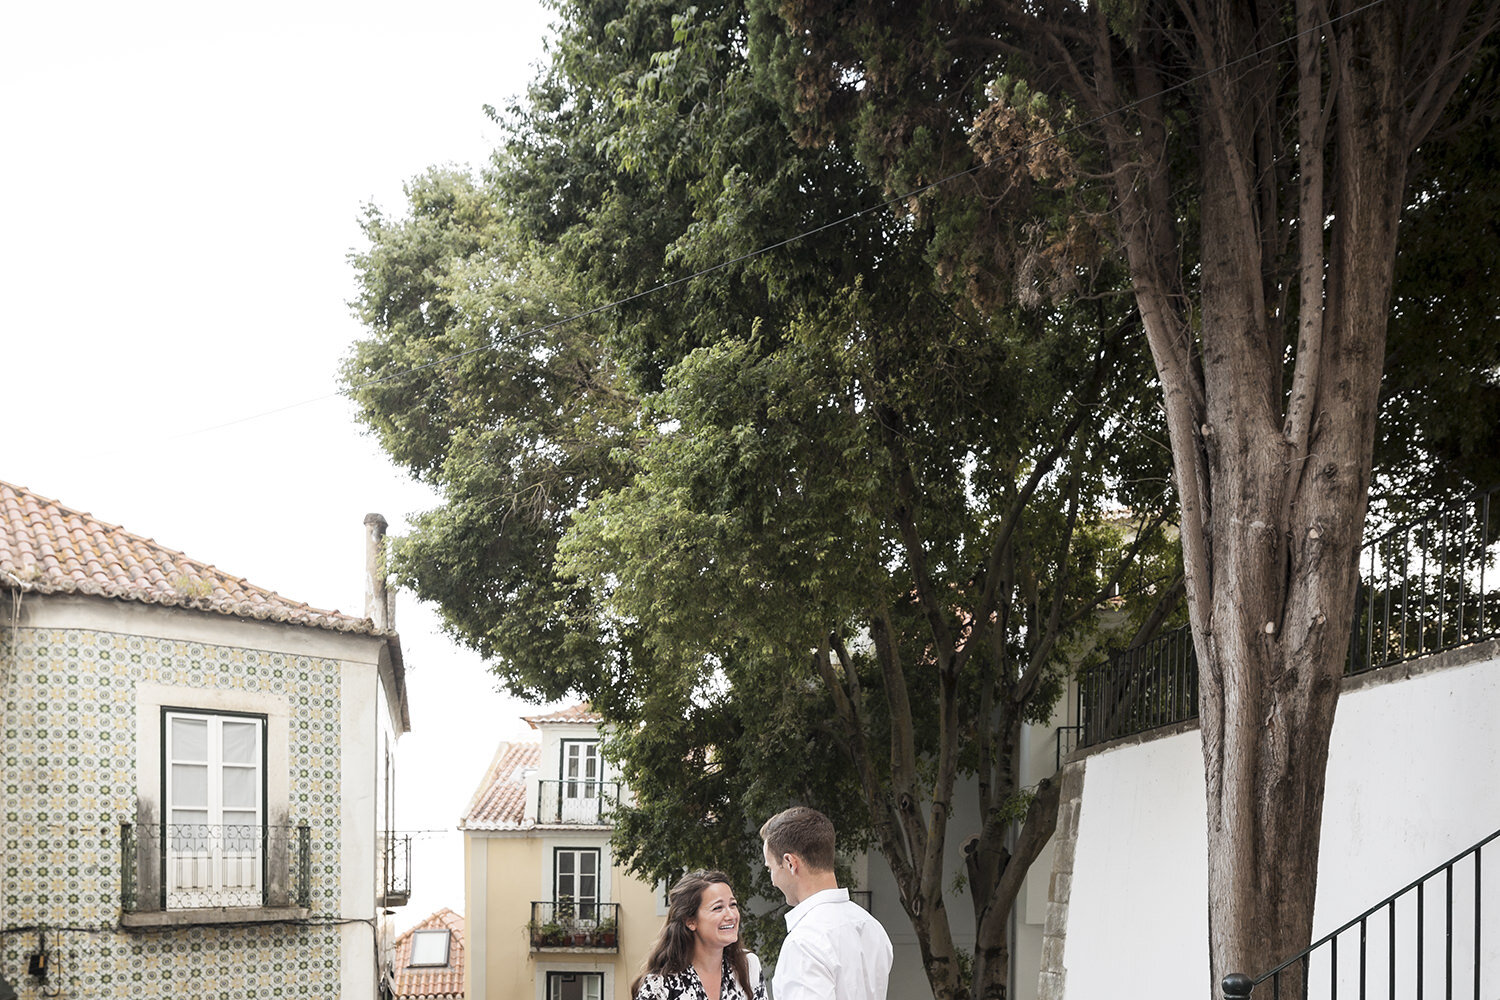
(781, 875)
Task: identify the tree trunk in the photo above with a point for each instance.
(1275, 503)
(1273, 483)
(1286, 518)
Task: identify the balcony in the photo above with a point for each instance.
(568, 925)
(395, 882)
(194, 873)
(576, 803)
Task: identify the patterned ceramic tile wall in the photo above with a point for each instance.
(68, 735)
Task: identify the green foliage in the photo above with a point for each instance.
(1439, 432)
(468, 382)
(789, 515)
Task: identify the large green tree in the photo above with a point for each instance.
(1438, 436)
(1253, 158)
(810, 527)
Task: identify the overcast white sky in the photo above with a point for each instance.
(181, 184)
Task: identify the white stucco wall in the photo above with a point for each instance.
(1411, 783)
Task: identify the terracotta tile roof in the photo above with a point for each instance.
(47, 548)
(500, 801)
(581, 712)
(427, 981)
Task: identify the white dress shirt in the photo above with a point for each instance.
(834, 950)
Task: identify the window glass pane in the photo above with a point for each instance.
(187, 830)
(575, 986)
(241, 831)
(189, 739)
(189, 785)
(578, 877)
(240, 742)
(241, 787)
(429, 948)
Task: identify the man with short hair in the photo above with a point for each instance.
(834, 949)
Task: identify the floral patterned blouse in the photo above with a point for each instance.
(687, 986)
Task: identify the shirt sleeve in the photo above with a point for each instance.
(756, 988)
(801, 974)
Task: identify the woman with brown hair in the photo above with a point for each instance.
(698, 956)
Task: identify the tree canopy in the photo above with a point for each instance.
(810, 526)
(829, 522)
(1439, 430)
(1248, 162)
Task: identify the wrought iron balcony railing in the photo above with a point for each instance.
(176, 866)
(570, 923)
(581, 803)
(396, 870)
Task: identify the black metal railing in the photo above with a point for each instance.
(1067, 742)
(170, 866)
(585, 803)
(1426, 586)
(1427, 939)
(860, 896)
(396, 870)
(1155, 684)
(575, 923)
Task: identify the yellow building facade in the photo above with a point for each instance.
(549, 914)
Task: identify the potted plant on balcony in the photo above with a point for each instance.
(547, 935)
(608, 933)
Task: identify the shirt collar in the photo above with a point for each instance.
(795, 914)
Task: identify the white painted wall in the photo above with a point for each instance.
(1411, 783)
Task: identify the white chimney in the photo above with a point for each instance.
(378, 599)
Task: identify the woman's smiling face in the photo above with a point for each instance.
(717, 924)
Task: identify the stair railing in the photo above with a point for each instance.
(1391, 952)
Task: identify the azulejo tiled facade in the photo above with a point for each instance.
(69, 770)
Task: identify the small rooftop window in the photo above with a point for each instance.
(428, 948)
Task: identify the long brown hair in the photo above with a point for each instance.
(673, 950)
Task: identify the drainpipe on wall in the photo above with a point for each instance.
(8, 644)
(7, 650)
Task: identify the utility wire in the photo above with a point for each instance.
(805, 234)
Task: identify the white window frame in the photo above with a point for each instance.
(213, 823)
(585, 908)
(582, 769)
(555, 983)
